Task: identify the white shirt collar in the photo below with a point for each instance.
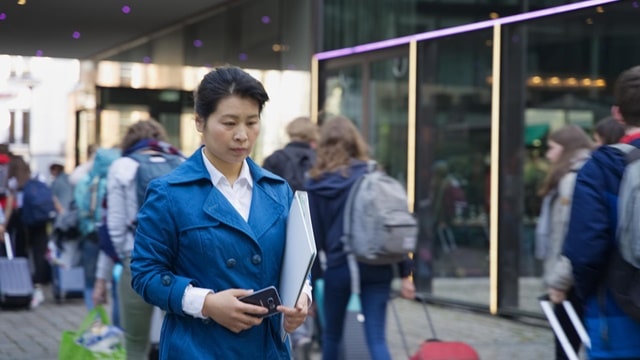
(240, 194)
(217, 176)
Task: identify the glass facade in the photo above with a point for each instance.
(484, 102)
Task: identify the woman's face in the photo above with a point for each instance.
(554, 151)
(230, 132)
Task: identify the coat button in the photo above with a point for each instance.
(206, 321)
(231, 263)
(256, 259)
(166, 280)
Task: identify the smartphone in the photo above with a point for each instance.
(267, 297)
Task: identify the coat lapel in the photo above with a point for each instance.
(218, 207)
(265, 210)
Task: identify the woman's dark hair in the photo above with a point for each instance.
(143, 129)
(573, 139)
(609, 130)
(627, 95)
(226, 81)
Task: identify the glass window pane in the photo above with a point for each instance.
(454, 108)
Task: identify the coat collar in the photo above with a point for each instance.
(265, 208)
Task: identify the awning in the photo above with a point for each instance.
(535, 134)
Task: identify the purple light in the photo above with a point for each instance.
(39, 52)
(76, 35)
(197, 43)
(3, 16)
(635, 4)
(243, 57)
(457, 29)
(146, 59)
(265, 19)
(126, 9)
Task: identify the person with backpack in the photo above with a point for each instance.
(292, 163)
(145, 155)
(591, 241)
(38, 211)
(294, 160)
(567, 150)
(214, 230)
(89, 194)
(342, 160)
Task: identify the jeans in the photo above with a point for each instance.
(90, 250)
(375, 288)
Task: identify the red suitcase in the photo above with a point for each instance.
(435, 349)
(445, 350)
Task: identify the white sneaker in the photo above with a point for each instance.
(38, 298)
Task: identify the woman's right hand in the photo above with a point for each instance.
(225, 309)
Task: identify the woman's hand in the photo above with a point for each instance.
(556, 296)
(294, 317)
(225, 309)
(408, 290)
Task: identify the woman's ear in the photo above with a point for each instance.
(199, 123)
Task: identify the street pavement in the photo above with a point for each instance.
(35, 334)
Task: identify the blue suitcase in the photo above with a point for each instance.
(16, 286)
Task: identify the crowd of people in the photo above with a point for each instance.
(191, 238)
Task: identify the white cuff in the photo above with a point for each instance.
(306, 289)
(193, 300)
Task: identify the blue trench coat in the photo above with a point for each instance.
(188, 233)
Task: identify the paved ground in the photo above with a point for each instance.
(35, 334)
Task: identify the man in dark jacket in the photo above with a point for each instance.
(591, 236)
(297, 157)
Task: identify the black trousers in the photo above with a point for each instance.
(38, 239)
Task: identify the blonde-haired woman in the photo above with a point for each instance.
(568, 149)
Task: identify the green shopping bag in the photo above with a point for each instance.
(96, 338)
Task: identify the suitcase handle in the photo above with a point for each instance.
(7, 246)
(547, 308)
(399, 323)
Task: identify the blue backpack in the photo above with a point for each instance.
(37, 203)
(151, 166)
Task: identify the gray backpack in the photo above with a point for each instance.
(378, 228)
(623, 278)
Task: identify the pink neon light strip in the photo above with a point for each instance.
(459, 29)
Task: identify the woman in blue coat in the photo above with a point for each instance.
(213, 230)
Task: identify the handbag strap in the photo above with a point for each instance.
(97, 311)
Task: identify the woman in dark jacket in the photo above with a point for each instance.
(341, 160)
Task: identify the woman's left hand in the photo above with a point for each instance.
(408, 290)
(294, 317)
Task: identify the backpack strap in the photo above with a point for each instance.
(346, 229)
(631, 152)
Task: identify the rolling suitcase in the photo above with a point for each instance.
(354, 342)
(547, 308)
(433, 348)
(16, 286)
(68, 276)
